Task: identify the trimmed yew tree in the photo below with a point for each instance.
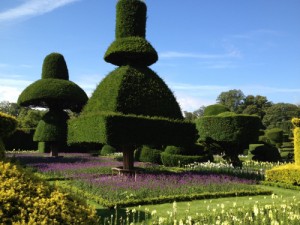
(132, 106)
(232, 132)
(8, 125)
(56, 93)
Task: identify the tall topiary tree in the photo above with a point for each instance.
(132, 105)
(8, 125)
(232, 132)
(55, 92)
(296, 132)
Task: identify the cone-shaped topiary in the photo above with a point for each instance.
(55, 92)
(132, 105)
(8, 125)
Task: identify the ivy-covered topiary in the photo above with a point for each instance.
(213, 110)
(8, 125)
(55, 92)
(132, 106)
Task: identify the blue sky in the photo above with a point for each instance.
(205, 47)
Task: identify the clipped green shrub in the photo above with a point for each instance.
(289, 174)
(8, 125)
(181, 160)
(151, 155)
(21, 139)
(43, 147)
(174, 150)
(213, 110)
(138, 91)
(131, 50)
(54, 66)
(264, 153)
(107, 150)
(131, 18)
(275, 135)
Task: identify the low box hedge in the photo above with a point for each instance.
(180, 160)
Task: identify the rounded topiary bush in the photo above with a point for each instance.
(213, 110)
(24, 199)
(275, 135)
(264, 153)
(55, 66)
(107, 150)
(149, 154)
(171, 160)
(174, 150)
(8, 125)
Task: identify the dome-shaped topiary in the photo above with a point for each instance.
(53, 93)
(138, 91)
(55, 66)
(213, 110)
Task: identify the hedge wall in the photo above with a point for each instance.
(275, 135)
(213, 110)
(151, 155)
(181, 160)
(21, 139)
(118, 129)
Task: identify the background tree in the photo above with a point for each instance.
(56, 93)
(279, 115)
(255, 105)
(232, 99)
(191, 116)
(10, 108)
(29, 118)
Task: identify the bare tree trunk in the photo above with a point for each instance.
(128, 157)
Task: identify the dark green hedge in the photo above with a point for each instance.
(151, 155)
(275, 135)
(117, 129)
(8, 124)
(238, 129)
(174, 150)
(55, 66)
(131, 90)
(21, 139)
(52, 127)
(131, 51)
(131, 18)
(181, 160)
(55, 93)
(264, 153)
(213, 110)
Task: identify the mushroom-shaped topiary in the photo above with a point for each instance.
(132, 106)
(8, 125)
(55, 92)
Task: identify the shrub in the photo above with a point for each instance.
(296, 132)
(174, 150)
(107, 150)
(180, 160)
(264, 153)
(8, 124)
(289, 174)
(275, 135)
(148, 154)
(213, 110)
(21, 139)
(26, 200)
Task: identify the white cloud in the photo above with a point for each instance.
(32, 8)
(10, 89)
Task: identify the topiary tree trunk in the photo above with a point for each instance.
(128, 157)
(296, 132)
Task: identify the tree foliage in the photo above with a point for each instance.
(232, 99)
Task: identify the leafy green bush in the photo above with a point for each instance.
(148, 154)
(264, 153)
(107, 150)
(180, 160)
(26, 200)
(213, 110)
(174, 150)
(275, 135)
(21, 139)
(8, 124)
